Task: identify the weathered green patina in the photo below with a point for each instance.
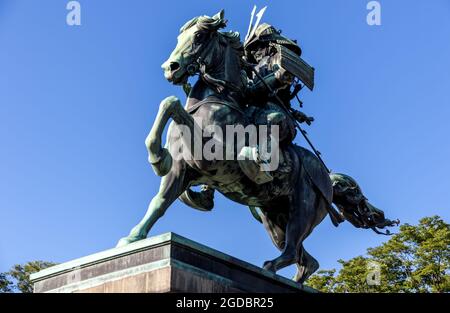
(248, 84)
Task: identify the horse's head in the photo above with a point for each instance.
(195, 41)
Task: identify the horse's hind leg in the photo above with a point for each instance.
(301, 219)
(306, 266)
(171, 187)
(275, 225)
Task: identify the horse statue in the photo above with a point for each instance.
(301, 193)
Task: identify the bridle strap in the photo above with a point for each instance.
(199, 67)
(194, 67)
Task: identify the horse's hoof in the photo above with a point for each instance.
(169, 103)
(269, 266)
(126, 241)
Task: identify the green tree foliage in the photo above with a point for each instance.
(352, 276)
(18, 278)
(417, 259)
(323, 280)
(5, 283)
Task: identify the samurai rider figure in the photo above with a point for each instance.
(274, 65)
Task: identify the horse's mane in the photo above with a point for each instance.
(234, 39)
(205, 22)
(209, 23)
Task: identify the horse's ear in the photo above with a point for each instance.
(220, 15)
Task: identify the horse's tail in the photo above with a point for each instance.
(342, 192)
(354, 206)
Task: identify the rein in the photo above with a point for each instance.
(199, 66)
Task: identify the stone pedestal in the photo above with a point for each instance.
(164, 263)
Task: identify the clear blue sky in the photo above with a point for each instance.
(76, 104)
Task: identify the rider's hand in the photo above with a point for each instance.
(303, 118)
(309, 120)
(283, 76)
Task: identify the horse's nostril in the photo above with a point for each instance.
(174, 66)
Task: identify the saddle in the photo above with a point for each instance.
(192, 108)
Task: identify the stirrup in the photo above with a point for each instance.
(203, 200)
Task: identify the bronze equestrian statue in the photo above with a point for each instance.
(247, 84)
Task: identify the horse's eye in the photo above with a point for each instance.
(199, 36)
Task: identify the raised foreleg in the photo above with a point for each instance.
(159, 157)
